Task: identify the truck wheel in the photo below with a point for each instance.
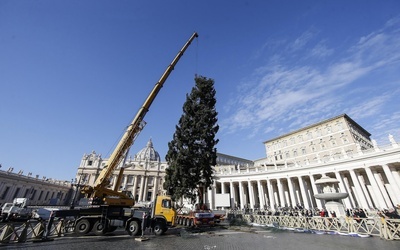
(100, 227)
(133, 228)
(159, 228)
(83, 227)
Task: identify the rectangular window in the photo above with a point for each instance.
(149, 196)
(90, 163)
(47, 195)
(26, 193)
(40, 195)
(16, 193)
(33, 193)
(3, 196)
(166, 203)
(150, 181)
(339, 125)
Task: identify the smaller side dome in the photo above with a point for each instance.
(147, 153)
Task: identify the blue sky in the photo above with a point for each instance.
(74, 73)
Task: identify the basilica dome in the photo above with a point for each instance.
(148, 153)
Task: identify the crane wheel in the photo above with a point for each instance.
(133, 228)
(100, 227)
(159, 228)
(83, 227)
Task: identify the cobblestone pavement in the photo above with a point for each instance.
(213, 239)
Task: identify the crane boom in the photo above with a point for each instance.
(100, 188)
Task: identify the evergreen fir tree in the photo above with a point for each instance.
(191, 153)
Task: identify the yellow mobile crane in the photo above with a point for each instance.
(111, 208)
(100, 191)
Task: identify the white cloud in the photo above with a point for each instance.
(321, 51)
(297, 95)
(301, 41)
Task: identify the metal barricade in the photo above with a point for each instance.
(388, 229)
(29, 231)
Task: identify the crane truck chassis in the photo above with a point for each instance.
(102, 219)
(112, 208)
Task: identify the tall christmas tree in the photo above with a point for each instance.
(191, 153)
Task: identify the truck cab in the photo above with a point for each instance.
(16, 210)
(163, 208)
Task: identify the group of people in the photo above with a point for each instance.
(356, 213)
(389, 214)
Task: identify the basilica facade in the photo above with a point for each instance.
(338, 148)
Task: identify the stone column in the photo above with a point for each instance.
(242, 202)
(281, 195)
(265, 195)
(146, 188)
(134, 186)
(155, 188)
(343, 189)
(233, 196)
(359, 193)
(222, 187)
(270, 195)
(396, 177)
(352, 196)
(393, 183)
(251, 194)
(291, 192)
(303, 193)
(379, 201)
(211, 196)
(261, 200)
(365, 191)
(141, 190)
(382, 188)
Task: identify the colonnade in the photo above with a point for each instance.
(369, 187)
(142, 185)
